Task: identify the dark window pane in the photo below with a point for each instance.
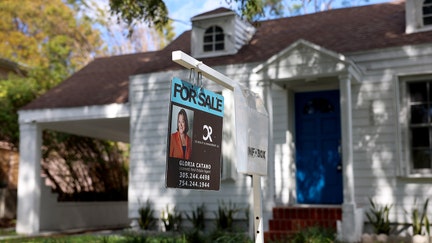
(418, 92)
(419, 114)
(208, 47)
(208, 38)
(427, 9)
(218, 29)
(219, 37)
(209, 30)
(421, 159)
(420, 137)
(220, 47)
(427, 12)
(420, 104)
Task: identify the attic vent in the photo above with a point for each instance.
(427, 12)
(214, 39)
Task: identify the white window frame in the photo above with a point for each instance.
(403, 125)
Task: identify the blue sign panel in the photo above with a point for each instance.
(197, 98)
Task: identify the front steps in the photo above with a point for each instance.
(289, 220)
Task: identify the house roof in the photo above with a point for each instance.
(213, 12)
(105, 80)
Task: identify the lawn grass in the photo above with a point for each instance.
(93, 238)
(311, 235)
(128, 237)
(67, 239)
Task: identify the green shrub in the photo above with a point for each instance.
(196, 236)
(231, 237)
(314, 235)
(378, 216)
(420, 219)
(198, 217)
(146, 220)
(225, 216)
(172, 220)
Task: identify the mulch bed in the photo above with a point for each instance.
(7, 223)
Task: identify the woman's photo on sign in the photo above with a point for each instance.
(181, 133)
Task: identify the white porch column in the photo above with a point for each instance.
(348, 227)
(29, 181)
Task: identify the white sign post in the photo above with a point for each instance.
(251, 124)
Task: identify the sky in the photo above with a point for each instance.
(181, 11)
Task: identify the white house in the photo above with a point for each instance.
(348, 92)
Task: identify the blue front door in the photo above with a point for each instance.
(318, 158)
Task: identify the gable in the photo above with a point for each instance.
(303, 60)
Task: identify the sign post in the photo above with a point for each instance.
(251, 124)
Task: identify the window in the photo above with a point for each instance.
(420, 125)
(214, 39)
(427, 12)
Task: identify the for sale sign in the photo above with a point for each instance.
(194, 137)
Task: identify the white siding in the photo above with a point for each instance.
(376, 140)
(149, 101)
(375, 130)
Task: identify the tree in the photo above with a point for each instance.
(46, 37)
(53, 40)
(40, 33)
(125, 35)
(155, 13)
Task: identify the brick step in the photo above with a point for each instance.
(298, 224)
(290, 220)
(307, 213)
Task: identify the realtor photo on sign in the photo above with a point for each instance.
(180, 141)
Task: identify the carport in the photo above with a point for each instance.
(109, 122)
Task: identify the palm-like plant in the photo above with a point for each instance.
(146, 220)
(420, 219)
(379, 217)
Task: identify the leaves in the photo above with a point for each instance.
(152, 12)
(14, 93)
(146, 220)
(30, 29)
(225, 216)
(172, 219)
(420, 219)
(51, 42)
(378, 216)
(198, 217)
